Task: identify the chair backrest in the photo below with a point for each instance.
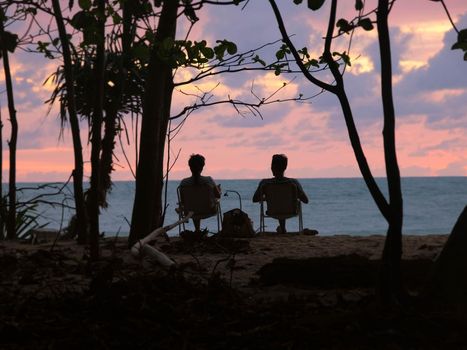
(281, 199)
(197, 198)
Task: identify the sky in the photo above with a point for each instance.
(430, 90)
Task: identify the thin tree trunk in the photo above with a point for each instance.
(2, 215)
(392, 210)
(96, 125)
(362, 162)
(390, 284)
(11, 218)
(339, 90)
(147, 206)
(111, 113)
(81, 216)
(106, 158)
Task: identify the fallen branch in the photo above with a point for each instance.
(142, 247)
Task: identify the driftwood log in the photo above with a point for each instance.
(142, 248)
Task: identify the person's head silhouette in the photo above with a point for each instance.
(278, 165)
(196, 164)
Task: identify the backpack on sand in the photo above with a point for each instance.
(237, 223)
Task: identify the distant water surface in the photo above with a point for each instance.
(337, 206)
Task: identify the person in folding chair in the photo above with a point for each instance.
(198, 193)
(281, 194)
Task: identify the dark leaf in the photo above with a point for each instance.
(190, 14)
(10, 41)
(259, 60)
(207, 52)
(280, 55)
(366, 24)
(344, 25)
(315, 4)
(32, 11)
(219, 51)
(81, 20)
(231, 48)
(117, 19)
(459, 46)
(314, 63)
(358, 5)
(462, 36)
(85, 4)
(304, 52)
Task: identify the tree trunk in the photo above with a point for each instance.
(115, 103)
(11, 217)
(392, 209)
(339, 91)
(96, 141)
(81, 215)
(448, 283)
(390, 283)
(147, 206)
(2, 216)
(106, 159)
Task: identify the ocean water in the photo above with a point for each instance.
(337, 206)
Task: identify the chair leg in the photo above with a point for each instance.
(219, 218)
(300, 218)
(261, 219)
(182, 225)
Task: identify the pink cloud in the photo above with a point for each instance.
(313, 136)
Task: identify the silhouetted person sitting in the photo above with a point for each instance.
(278, 166)
(196, 164)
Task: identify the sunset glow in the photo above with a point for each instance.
(430, 90)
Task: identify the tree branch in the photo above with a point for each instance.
(286, 39)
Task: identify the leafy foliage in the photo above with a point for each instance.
(27, 217)
(366, 24)
(9, 41)
(315, 4)
(461, 43)
(346, 27)
(83, 63)
(344, 57)
(343, 25)
(312, 4)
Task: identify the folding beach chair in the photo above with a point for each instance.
(200, 200)
(281, 203)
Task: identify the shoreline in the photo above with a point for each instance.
(239, 260)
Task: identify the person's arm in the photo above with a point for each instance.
(301, 194)
(216, 189)
(257, 195)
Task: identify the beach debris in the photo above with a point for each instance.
(142, 247)
(310, 232)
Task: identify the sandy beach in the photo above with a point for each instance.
(266, 292)
(237, 260)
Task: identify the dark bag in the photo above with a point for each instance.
(236, 223)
